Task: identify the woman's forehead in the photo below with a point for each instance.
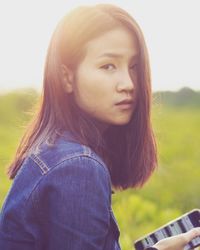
(118, 42)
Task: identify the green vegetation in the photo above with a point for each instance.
(15, 112)
(174, 187)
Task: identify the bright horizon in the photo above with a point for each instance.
(171, 30)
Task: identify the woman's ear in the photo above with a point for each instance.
(67, 78)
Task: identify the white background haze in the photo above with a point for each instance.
(171, 29)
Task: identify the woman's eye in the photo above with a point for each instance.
(108, 66)
(133, 67)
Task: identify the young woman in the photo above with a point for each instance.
(91, 135)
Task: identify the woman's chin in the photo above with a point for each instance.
(121, 122)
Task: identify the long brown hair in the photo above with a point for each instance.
(128, 150)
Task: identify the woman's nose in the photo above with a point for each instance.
(125, 83)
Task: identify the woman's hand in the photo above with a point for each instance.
(179, 241)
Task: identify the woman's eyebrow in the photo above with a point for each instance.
(116, 55)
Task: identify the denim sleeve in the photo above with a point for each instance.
(72, 204)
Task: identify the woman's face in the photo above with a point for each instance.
(108, 75)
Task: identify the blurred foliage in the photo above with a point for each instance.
(185, 97)
(15, 111)
(173, 188)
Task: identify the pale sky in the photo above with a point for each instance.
(171, 29)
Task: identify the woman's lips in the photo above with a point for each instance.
(125, 105)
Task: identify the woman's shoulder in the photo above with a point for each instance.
(61, 183)
(65, 163)
(70, 168)
(64, 151)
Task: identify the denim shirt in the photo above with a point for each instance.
(60, 199)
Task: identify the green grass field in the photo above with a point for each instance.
(174, 187)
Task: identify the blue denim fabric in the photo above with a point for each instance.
(60, 199)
